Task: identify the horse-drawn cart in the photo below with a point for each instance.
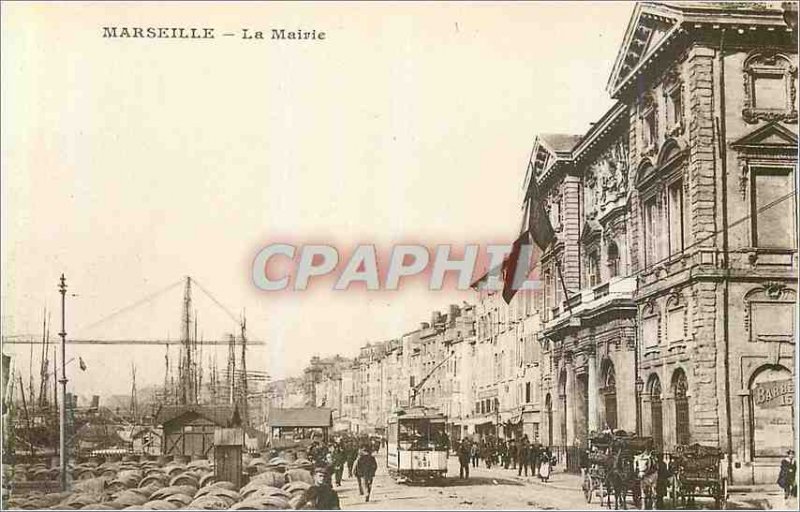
(697, 474)
(595, 475)
(610, 469)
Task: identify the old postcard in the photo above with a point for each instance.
(399, 255)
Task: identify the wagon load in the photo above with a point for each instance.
(698, 461)
(697, 470)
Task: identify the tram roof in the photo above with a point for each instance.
(419, 413)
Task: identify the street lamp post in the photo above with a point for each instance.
(62, 287)
(639, 389)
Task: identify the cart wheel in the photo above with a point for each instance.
(585, 486)
(674, 495)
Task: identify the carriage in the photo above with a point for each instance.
(594, 476)
(696, 470)
(609, 467)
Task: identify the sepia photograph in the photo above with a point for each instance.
(386, 255)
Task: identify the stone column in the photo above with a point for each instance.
(668, 421)
(593, 391)
(570, 412)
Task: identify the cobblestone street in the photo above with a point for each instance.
(500, 488)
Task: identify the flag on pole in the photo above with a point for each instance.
(538, 221)
(511, 266)
(535, 227)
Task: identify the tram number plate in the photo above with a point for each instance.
(423, 462)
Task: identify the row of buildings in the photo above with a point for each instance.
(668, 304)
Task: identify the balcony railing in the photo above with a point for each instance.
(617, 288)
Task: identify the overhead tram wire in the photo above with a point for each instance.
(716, 233)
(720, 231)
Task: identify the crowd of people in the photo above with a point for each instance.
(520, 454)
(331, 460)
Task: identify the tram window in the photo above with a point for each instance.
(422, 435)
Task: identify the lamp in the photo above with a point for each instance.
(639, 389)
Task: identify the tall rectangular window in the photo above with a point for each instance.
(773, 207)
(527, 392)
(650, 232)
(675, 107)
(548, 293)
(594, 268)
(676, 218)
(649, 129)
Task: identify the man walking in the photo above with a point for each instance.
(513, 448)
(351, 454)
(524, 456)
(464, 454)
(366, 466)
(474, 451)
(338, 461)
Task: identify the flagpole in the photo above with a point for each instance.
(563, 284)
(62, 287)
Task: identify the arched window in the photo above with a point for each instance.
(657, 428)
(562, 395)
(613, 259)
(609, 392)
(771, 403)
(680, 388)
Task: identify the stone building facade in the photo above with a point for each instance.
(668, 301)
(675, 217)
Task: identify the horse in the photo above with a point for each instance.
(617, 483)
(646, 467)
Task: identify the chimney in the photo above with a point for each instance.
(455, 312)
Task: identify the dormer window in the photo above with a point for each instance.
(769, 86)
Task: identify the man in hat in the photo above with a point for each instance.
(464, 454)
(321, 495)
(787, 478)
(338, 459)
(366, 466)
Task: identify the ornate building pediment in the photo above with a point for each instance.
(647, 31)
(771, 135)
(771, 142)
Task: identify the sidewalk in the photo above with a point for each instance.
(558, 480)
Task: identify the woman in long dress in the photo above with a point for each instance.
(545, 461)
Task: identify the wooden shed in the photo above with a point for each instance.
(298, 424)
(189, 429)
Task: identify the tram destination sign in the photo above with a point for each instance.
(774, 393)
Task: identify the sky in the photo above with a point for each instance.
(128, 164)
